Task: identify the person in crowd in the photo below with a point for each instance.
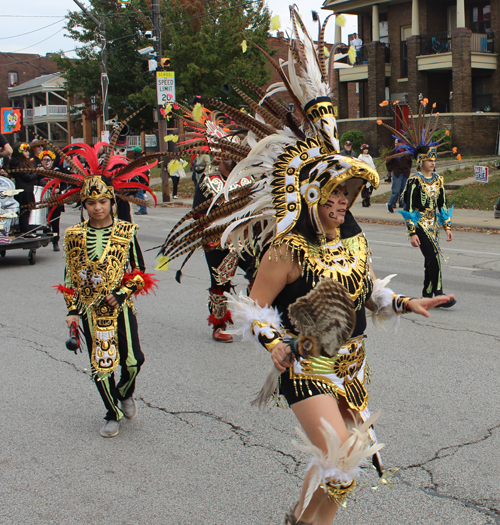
(367, 191)
(47, 159)
(399, 168)
(36, 147)
(348, 150)
(26, 181)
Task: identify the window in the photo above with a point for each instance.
(405, 33)
(481, 18)
(482, 97)
(12, 80)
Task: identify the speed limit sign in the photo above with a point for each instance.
(165, 87)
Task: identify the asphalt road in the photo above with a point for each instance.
(197, 453)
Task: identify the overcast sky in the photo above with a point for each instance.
(22, 17)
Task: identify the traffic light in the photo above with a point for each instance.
(165, 62)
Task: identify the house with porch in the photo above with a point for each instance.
(44, 108)
(446, 51)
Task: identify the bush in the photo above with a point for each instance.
(446, 144)
(357, 138)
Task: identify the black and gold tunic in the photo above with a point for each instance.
(425, 206)
(346, 260)
(96, 264)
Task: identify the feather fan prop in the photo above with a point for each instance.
(325, 320)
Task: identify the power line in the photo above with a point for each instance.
(31, 16)
(34, 30)
(33, 45)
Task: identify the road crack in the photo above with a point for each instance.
(244, 436)
(482, 506)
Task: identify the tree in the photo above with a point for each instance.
(130, 83)
(202, 38)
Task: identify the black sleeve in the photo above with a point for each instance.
(135, 257)
(199, 197)
(3, 141)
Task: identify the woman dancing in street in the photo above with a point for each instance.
(296, 216)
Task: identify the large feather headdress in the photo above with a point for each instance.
(416, 133)
(86, 176)
(293, 157)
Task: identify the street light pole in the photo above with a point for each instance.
(104, 73)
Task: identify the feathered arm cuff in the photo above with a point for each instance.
(388, 305)
(411, 219)
(135, 283)
(70, 298)
(444, 217)
(255, 323)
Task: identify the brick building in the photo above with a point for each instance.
(446, 51)
(18, 68)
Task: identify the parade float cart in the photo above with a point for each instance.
(9, 209)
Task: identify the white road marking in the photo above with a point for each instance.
(407, 245)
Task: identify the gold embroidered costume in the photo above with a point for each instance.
(95, 277)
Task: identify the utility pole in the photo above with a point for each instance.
(165, 178)
(104, 73)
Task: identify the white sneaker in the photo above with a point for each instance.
(110, 429)
(129, 408)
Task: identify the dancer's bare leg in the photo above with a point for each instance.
(320, 511)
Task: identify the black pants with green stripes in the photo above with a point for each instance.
(131, 360)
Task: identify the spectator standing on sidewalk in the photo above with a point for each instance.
(400, 168)
(367, 191)
(348, 151)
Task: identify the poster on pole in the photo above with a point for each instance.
(165, 87)
(481, 173)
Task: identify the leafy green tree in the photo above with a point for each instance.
(202, 38)
(130, 83)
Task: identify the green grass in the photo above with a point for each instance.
(475, 196)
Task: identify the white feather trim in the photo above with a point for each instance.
(382, 299)
(340, 463)
(245, 311)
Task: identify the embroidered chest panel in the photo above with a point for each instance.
(344, 260)
(95, 279)
(430, 187)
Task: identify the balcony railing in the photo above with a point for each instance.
(362, 55)
(45, 111)
(482, 42)
(435, 43)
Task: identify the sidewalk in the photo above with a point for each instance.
(378, 212)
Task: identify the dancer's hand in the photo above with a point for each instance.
(282, 356)
(415, 241)
(72, 319)
(422, 306)
(449, 235)
(110, 299)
